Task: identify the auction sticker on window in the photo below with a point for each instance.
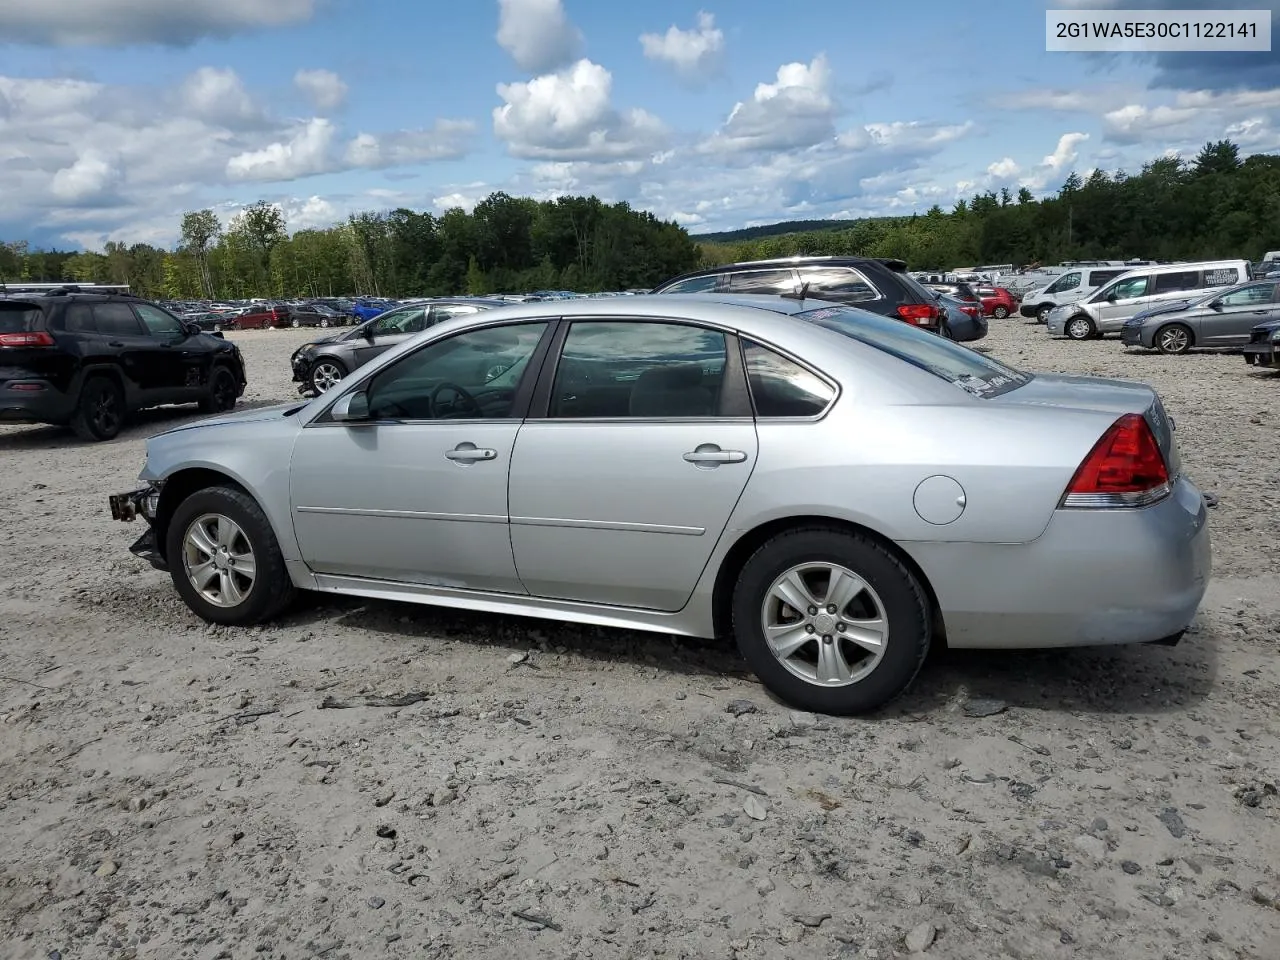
(1147, 31)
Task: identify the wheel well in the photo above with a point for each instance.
(1191, 334)
(750, 542)
(180, 486)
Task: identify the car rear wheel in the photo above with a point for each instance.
(324, 321)
(831, 621)
(1080, 327)
(222, 392)
(1000, 312)
(325, 373)
(296, 322)
(99, 415)
(224, 559)
(1175, 338)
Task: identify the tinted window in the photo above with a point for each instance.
(705, 284)
(1098, 277)
(837, 283)
(1257, 293)
(79, 319)
(1177, 282)
(471, 376)
(644, 370)
(968, 369)
(762, 281)
(781, 387)
(159, 323)
(1068, 281)
(17, 317)
(408, 320)
(440, 314)
(1222, 277)
(116, 319)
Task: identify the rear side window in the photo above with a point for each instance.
(781, 387)
(17, 317)
(116, 319)
(838, 283)
(1222, 277)
(974, 372)
(79, 319)
(762, 281)
(1098, 277)
(1179, 282)
(705, 284)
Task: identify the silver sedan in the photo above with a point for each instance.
(835, 489)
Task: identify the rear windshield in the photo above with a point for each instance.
(971, 371)
(17, 317)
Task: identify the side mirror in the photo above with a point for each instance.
(1111, 297)
(1216, 305)
(368, 331)
(191, 329)
(351, 408)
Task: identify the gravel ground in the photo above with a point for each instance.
(174, 790)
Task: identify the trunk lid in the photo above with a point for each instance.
(1113, 397)
(22, 361)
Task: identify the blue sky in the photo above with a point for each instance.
(118, 115)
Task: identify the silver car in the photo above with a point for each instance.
(835, 489)
(320, 364)
(1223, 318)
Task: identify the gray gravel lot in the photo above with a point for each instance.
(174, 790)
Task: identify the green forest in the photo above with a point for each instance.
(1216, 205)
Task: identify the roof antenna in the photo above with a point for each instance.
(804, 292)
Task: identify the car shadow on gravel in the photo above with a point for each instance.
(1136, 679)
(143, 424)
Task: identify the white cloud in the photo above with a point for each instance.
(795, 111)
(324, 88)
(129, 22)
(94, 176)
(1066, 152)
(447, 140)
(1004, 169)
(313, 213)
(219, 96)
(303, 154)
(569, 116)
(537, 34)
(695, 54)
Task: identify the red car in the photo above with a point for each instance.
(259, 318)
(997, 302)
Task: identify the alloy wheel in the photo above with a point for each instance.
(218, 560)
(825, 624)
(325, 375)
(1174, 340)
(105, 414)
(1079, 328)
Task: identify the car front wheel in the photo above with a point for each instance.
(224, 559)
(222, 392)
(1080, 328)
(831, 621)
(1175, 338)
(325, 373)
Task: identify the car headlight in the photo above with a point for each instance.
(1275, 336)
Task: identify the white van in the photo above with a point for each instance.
(1106, 310)
(1068, 288)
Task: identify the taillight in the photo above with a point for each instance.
(37, 339)
(923, 314)
(1124, 469)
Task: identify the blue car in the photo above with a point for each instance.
(368, 308)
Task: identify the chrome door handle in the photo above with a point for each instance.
(470, 453)
(715, 456)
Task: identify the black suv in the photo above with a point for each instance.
(88, 360)
(878, 285)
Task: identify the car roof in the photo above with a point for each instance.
(727, 310)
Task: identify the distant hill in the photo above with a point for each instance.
(773, 230)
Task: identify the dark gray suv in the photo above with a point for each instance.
(320, 364)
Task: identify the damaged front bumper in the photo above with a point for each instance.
(127, 507)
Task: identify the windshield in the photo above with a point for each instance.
(971, 371)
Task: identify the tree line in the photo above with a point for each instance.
(1214, 206)
(505, 245)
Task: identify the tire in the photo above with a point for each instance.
(1080, 327)
(223, 392)
(1175, 338)
(884, 589)
(217, 328)
(324, 373)
(295, 322)
(324, 322)
(1000, 312)
(1042, 312)
(249, 599)
(100, 411)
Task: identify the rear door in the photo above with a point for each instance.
(623, 481)
(841, 285)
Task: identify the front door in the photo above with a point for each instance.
(417, 492)
(1240, 311)
(620, 492)
(185, 360)
(1130, 296)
